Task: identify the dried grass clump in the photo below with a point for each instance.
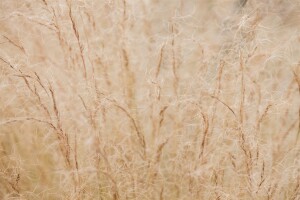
(149, 99)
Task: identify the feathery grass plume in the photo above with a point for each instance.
(172, 99)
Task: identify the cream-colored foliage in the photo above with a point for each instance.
(169, 99)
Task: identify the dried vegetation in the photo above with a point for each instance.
(170, 99)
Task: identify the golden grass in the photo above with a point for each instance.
(123, 99)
